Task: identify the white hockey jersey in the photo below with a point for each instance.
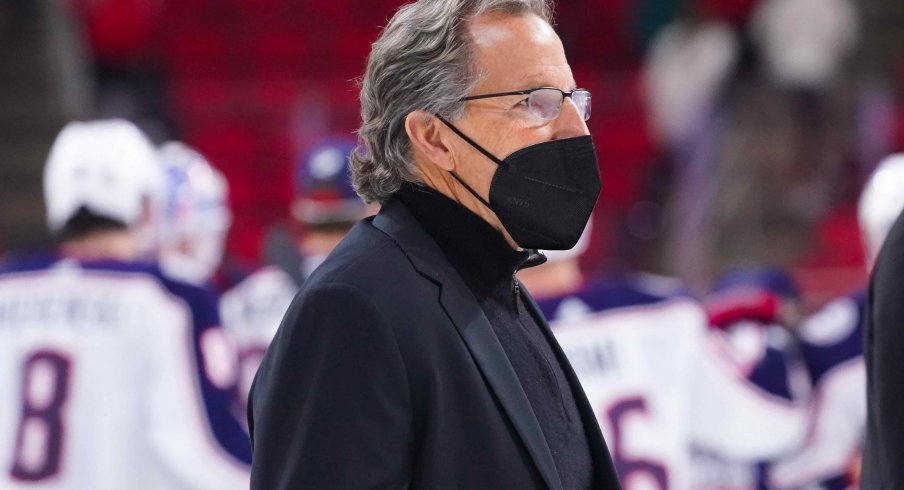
(831, 344)
(251, 313)
(107, 381)
(659, 386)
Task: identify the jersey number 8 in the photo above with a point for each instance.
(39, 437)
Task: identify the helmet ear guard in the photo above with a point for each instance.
(881, 201)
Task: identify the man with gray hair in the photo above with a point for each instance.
(413, 357)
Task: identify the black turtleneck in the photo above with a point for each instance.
(487, 264)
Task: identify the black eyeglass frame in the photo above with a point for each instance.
(569, 94)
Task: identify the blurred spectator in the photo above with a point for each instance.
(688, 69)
(658, 383)
(196, 215)
(326, 206)
(687, 66)
(804, 45)
(804, 42)
(762, 164)
(111, 375)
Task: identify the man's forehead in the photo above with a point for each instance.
(520, 50)
(496, 29)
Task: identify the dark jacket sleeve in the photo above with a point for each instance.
(331, 402)
(883, 459)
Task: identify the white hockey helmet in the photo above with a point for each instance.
(881, 201)
(196, 215)
(108, 167)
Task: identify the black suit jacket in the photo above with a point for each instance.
(883, 453)
(385, 373)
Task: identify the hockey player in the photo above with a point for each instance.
(195, 217)
(110, 374)
(658, 386)
(326, 207)
(753, 312)
(831, 344)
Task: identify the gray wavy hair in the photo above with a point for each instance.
(421, 61)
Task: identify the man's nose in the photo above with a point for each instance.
(570, 123)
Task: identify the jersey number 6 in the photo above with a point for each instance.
(626, 466)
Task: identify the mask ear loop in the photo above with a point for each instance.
(473, 193)
(478, 148)
(469, 141)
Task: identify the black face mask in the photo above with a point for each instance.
(543, 194)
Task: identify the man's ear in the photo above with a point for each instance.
(426, 138)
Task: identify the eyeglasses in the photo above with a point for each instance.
(546, 102)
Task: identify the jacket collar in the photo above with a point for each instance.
(477, 251)
(475, 330)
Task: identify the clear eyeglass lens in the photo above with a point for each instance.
(581, 99)
(547, 103)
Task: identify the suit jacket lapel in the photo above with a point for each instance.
(475, 330)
